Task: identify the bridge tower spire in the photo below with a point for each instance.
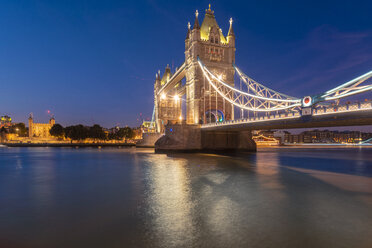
(196, 23)
(218, 53)
(231, 34)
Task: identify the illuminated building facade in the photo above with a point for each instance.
(5, 121)
(203, 104)
(168, 105)
(39, 130)
(217, 52)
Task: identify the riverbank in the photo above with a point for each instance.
(98, 145)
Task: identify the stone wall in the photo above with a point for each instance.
(191, 138)
(149, 139)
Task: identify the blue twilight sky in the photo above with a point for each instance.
(95, 61)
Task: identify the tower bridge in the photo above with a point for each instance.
(221, 111)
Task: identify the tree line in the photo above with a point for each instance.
(95, 132)
(18, 128)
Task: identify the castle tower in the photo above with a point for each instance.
(52, 121)
(30, 126)
(217, 52)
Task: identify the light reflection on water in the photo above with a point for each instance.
(134, 198)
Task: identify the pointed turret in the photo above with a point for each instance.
(188, 31)
(157, 81)
(231, 35)
(167, 75)
(231, 30)
(209, 23)
(157, 76)
(196, 23)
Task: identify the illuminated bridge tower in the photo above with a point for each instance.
(218, 53)
(167, 104)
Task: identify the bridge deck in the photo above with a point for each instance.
(345, 115)
(177, 76)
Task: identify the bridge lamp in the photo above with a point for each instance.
(163, 96)
(220, 77)
(307, 101)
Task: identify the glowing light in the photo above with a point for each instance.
(205, 71)
(219, 77)
(176, 98)
(180, 118)
(163, 96)
(307, 101)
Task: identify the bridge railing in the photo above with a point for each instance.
(316, 112)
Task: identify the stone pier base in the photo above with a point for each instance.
(191, 138)
(148, 139)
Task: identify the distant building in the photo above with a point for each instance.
(148, 127)
(40, 130)
(327, 137)
(262, 140)
(5, 121)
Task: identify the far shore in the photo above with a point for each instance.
(69, 144)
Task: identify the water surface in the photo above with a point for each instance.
(66, 197)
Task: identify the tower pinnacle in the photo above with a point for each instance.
(231, 30)
(188, 30)
(196, 24)
(209, 10)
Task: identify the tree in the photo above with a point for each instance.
(78, 132)
(121, 133)
(3, 130)
(113, 136)
(126, 132)
(96, 132)
(19, 129)
(57, 131)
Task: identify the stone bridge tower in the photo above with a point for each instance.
(217, 52)
(168, 104)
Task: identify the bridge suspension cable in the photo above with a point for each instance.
(262, 90)
(257, 102)
(349, 88)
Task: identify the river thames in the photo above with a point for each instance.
(278, 197)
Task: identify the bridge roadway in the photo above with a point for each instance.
(345, 115)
